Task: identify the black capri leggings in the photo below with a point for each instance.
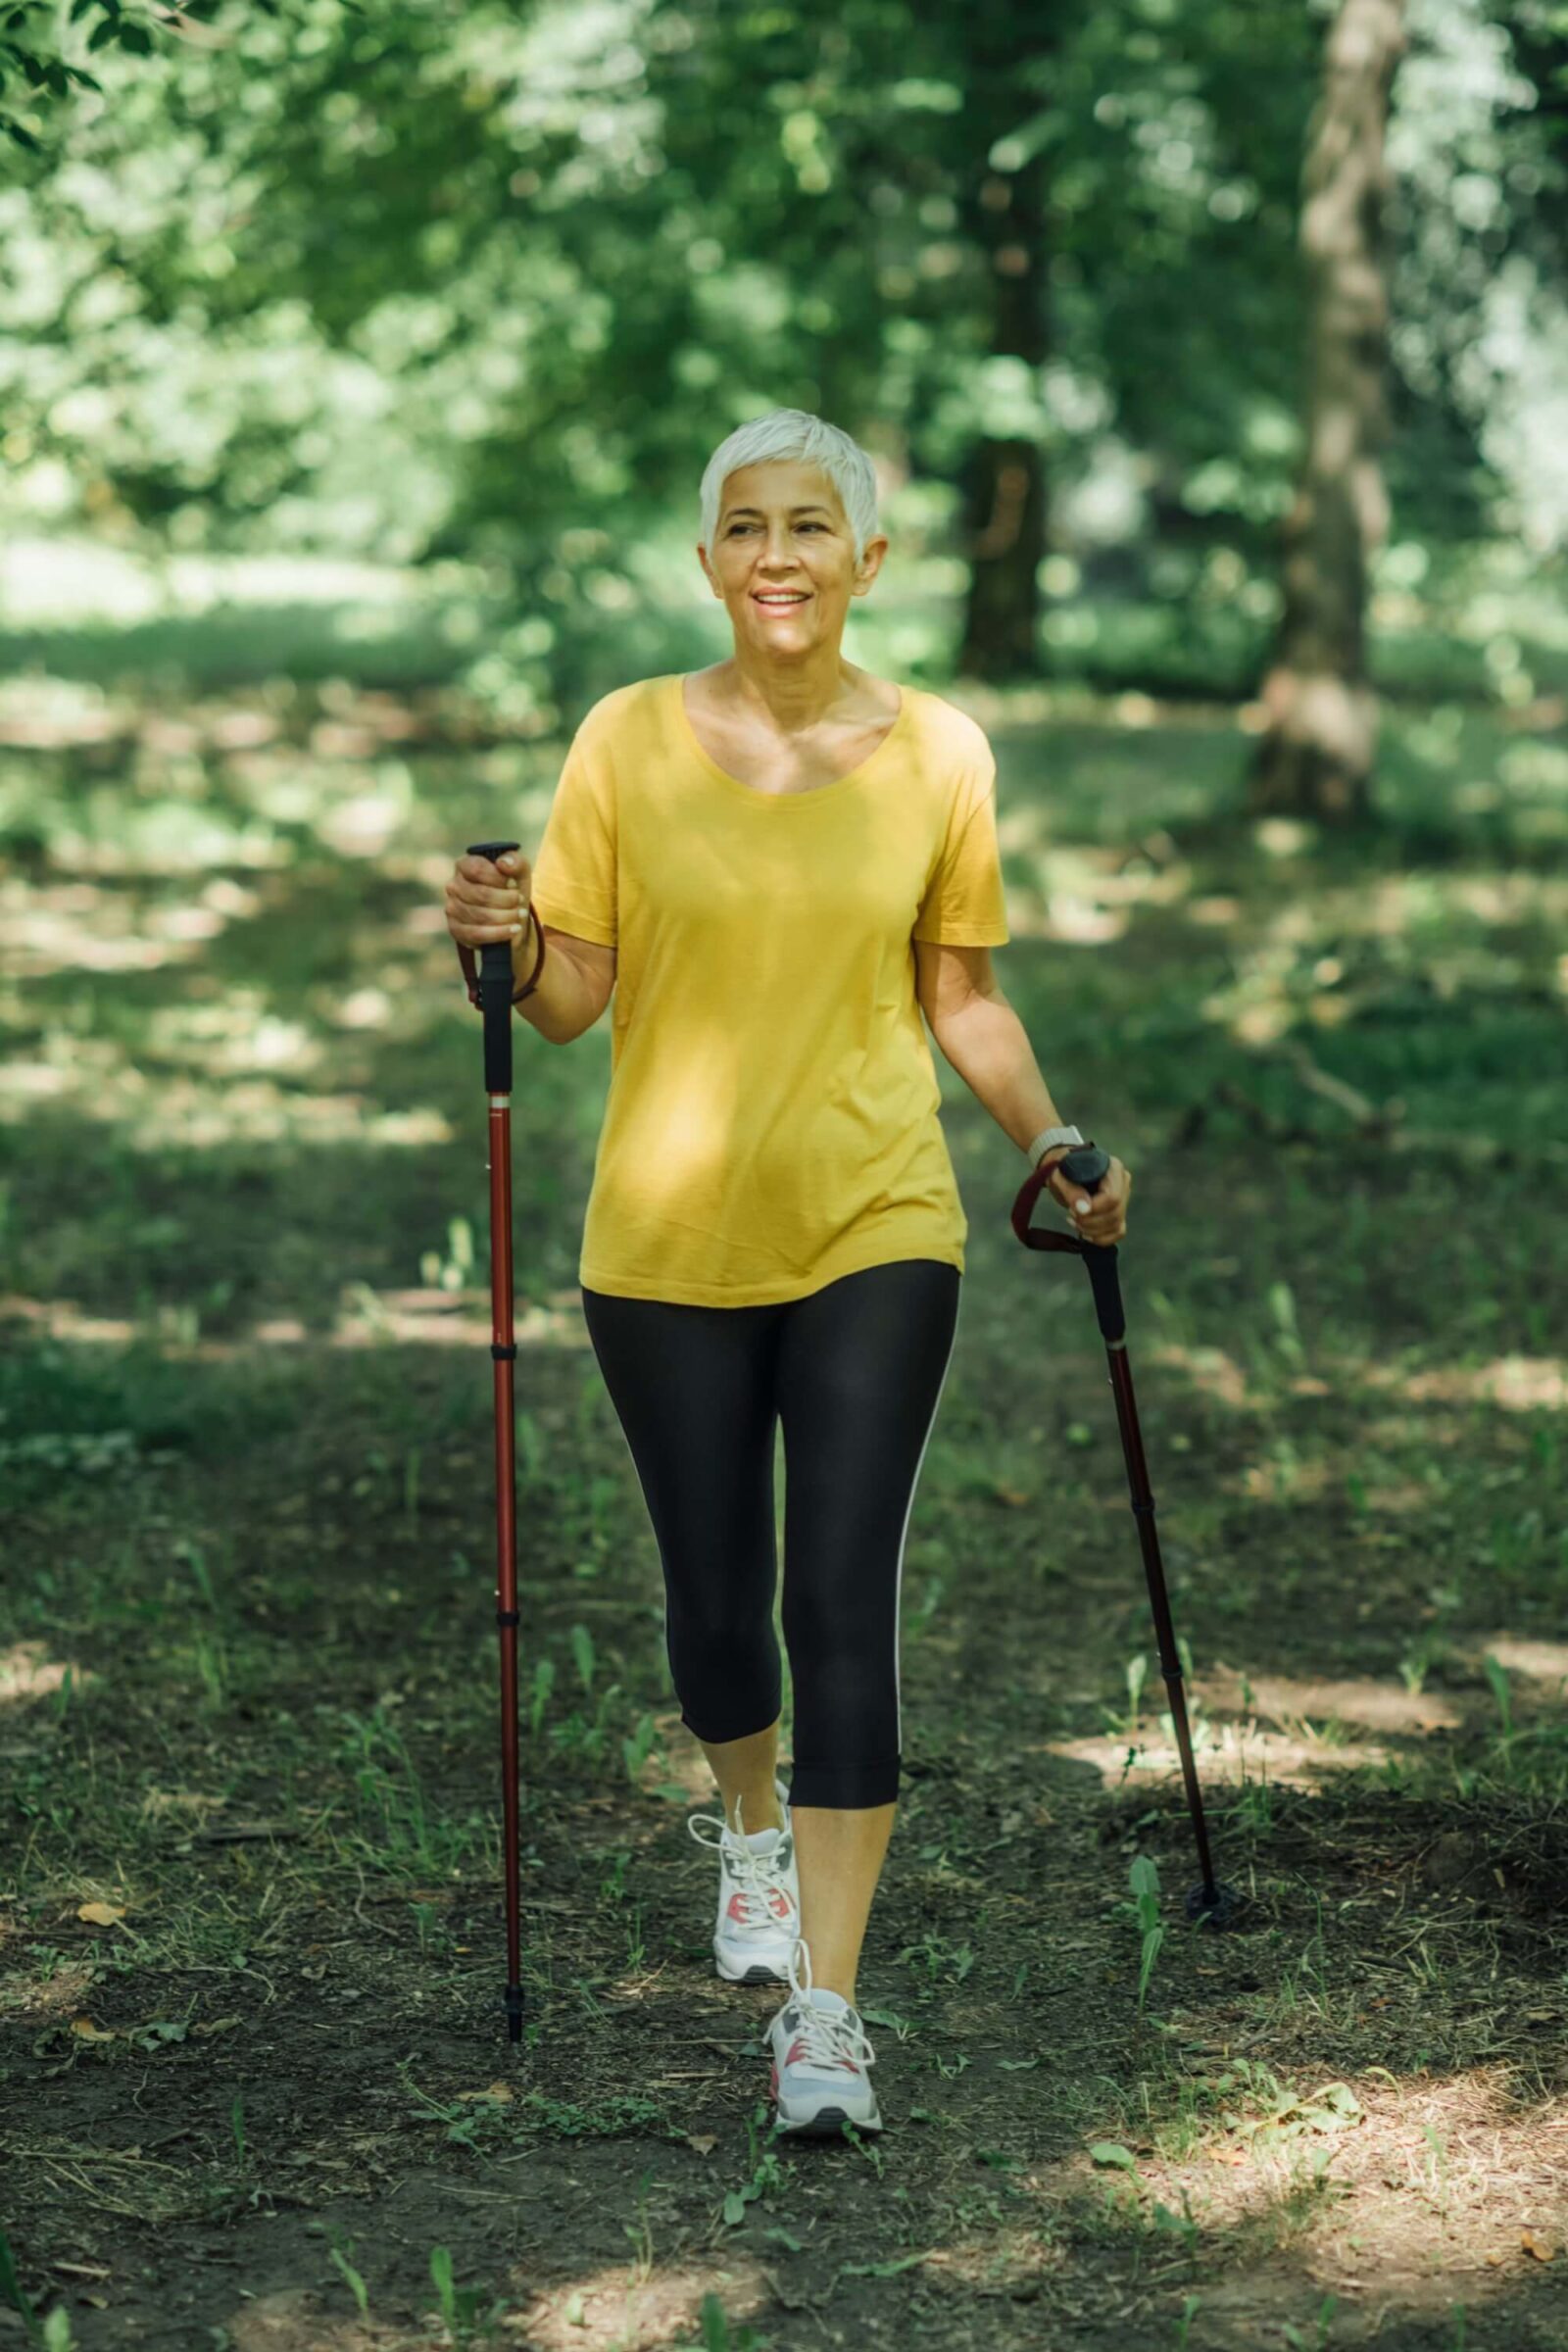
(854, 1372)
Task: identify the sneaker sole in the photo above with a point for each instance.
(820, 2122)
(755, 1972)
(826, 2124)
(751, 1970)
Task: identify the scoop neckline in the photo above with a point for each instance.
(784, 800)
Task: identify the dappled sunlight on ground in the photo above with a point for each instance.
(94, 1082)
(683, 1765)
(1284, 1699)
(41, 1997)
(1214, 1372)
(1435, 2191)
(1519, 1383)
(235, 1047)
(607, 2310)
(366, 1319)
(292, 2320)
(1225, 1753)
(27, 1670)
(1295, 1730)
(1537, 1661)
(1264, 1481)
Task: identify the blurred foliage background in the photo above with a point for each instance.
(359, 365)
(463, 297)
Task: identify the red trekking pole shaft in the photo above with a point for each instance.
(492, 993)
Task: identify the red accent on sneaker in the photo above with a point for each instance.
(781, 1902)
(797, 2049)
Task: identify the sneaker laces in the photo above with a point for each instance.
(832, 2036)
(760, 1876)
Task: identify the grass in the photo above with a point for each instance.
(247, 1689)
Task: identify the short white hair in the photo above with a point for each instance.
(795, 433)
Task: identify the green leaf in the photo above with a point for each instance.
(1333, 2108)
(11, 2288)
(734, 2208)
(1111, 2151)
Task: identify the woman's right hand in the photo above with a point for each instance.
(488, 900)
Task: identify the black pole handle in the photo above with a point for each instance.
(495, 989)
(1087, 1165)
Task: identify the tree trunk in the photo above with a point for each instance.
(1315, 754)
(1005, 492)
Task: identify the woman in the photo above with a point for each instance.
(779, 863)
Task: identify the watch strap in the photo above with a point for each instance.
(1049, 1138)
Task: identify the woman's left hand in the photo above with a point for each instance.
(1104, 1218)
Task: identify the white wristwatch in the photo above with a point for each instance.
(1047, 1138)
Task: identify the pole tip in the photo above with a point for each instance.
(1213, 1907)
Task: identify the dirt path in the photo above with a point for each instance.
(257, 2087)
(1343, 2117)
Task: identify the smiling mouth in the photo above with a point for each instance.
(790, 597)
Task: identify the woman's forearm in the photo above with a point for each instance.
(562, 1006)
(987, 1044)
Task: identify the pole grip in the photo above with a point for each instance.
(495, 990)
(1086, 1164)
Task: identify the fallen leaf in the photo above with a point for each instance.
(497, 2090)
(1494, 2260)
(705, 2142)
(1227, 2155)
(89, 2032)
(161, 2029)
(1542, 2248)
(100, 1915)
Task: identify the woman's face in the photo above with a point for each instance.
(782, 528)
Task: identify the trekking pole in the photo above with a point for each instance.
(492, 993)
(1085, 1165)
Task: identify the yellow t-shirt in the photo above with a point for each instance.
(771, 1121)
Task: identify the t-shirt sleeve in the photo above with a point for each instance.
(963, 906)
(574, 868)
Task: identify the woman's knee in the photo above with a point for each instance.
(724, 1667)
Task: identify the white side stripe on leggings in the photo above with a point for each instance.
(898, 1590)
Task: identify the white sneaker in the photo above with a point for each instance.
(820, 2057)
(759, 1897)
